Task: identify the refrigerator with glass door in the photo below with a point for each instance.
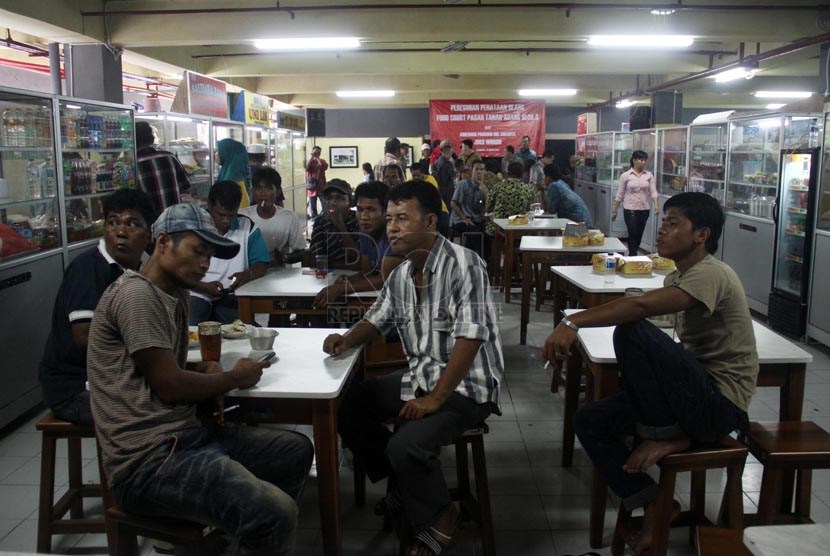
(794, 218)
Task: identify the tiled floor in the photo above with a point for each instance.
(539, 508)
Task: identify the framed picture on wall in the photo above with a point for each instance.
(343, 157)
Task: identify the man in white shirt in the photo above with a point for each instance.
(281, 228)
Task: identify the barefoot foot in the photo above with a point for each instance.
(650, 452)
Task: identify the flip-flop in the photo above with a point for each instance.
(427, 538)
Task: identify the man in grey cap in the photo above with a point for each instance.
(158, 458)
(335, 233)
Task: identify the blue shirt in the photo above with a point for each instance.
(567, 204)
(62, 370)
(374, 249)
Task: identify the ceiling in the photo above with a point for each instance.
(511, 45)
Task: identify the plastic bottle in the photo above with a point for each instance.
(71, 135)
(33, 180)
(19, 129)
(47, 176)
(29, 132)
(8, 122)
(44, 125)
(814, 138)
(610, 268)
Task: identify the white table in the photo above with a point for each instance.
(304, 385)
(782, 364)
(549, 251)
(505, 237)
(788, 540)
(266, 294)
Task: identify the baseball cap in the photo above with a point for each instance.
(426, 147)
(256, 148)
(338, 184)
(186, 217)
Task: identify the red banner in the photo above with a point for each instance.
(208, 97)
(491, 124)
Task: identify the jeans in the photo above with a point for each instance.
(243, 480)
(75, 409)
(411, 453)
(312, 204)
(635, 221)
(667, 393)
(224, 310)
(474, 238)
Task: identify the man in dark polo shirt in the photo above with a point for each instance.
(128, 215)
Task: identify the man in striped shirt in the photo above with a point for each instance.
(439, 301)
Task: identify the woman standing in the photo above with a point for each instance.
(636, 186)
(233, 159)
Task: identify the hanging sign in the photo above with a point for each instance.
(491, 124)
(291, 121)
(202, 95)
(251, 108)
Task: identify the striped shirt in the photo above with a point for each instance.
(130, 419)
(162, 177)
(456, 302)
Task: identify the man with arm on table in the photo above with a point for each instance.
(674, 395)
(212, 298)
(128, 215)
(158, 458)
(335, 233)
(439, 301)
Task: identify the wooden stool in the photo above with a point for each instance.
(188, 538)
(799, 446)
(50, 513)
(714, 541)
(729, 454)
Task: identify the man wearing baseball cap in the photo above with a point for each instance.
(335, 233)
(158, 458)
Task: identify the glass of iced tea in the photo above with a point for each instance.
(210, 340)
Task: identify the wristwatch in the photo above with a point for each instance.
(569, 324)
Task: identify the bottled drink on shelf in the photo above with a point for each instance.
(814, 137)
(43, 133)
(29, 131)
(83, 130)
(19, 128)
(7, 138)
(33, 180)
(71, 131)
(47, 176)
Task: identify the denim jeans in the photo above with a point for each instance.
(243, 480)
(411, 453)
(667, 393)
(224, 310)
(75, 409)
(635, 221)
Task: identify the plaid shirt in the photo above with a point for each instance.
(455, 302)
(162, 177)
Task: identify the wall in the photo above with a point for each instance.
(369, 149)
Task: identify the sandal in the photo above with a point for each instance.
(431, 538)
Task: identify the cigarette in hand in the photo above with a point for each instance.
(226, 410)
(547, 364)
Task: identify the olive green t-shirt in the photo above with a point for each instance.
(718, 330)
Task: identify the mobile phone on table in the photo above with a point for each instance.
(266, 357)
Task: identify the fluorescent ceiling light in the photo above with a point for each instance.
(783, 94)
(663, 11)
(366, 94)
(775, 105)
(625, 103)
(733, 74)
(547, 92)
(308, 43)
(642, 41)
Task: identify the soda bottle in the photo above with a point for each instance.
(47, 176)
(71, 135)
(610, 268)
(33, 179)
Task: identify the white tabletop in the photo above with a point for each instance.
(291, 282)
(538, 224)
(772, 347)
(300, 368)
(787, 540)
(548, 243)
(594, 282)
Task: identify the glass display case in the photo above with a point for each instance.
(754, 149)
(29, 210)
(605, 158)
(707, 159)
(223, 129)
(623, 147)
(579, 150)
(672, 144)
(97, 157)
(187, 137)
(284, 153)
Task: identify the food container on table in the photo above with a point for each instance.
(262, 338)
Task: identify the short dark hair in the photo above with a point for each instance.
(638, 155)
(468, 142)
(367, 167)
(435, 143)
(459, 163)
(397, 168)
(511, 149)
(427, 196)
(268, 175)
(552, 171)
(515, 169)
(372, 190)
(392, 144)
(525, 137)
(478, 161)
(144, 134)
(703, 211)
(226, 193)
(548, 154)
(416, 166)
(130, 199)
